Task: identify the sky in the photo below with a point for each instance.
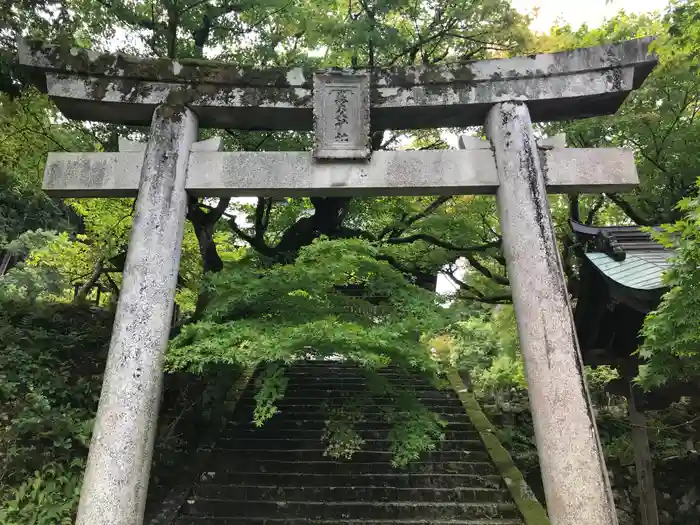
(578, 12)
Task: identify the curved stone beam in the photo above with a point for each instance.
(121, 89)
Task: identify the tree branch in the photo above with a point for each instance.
(595, 209)
(628, 209)
(257, 244)
(442, 244)
(407, 223)
(261, 210)
(217, 212)
(485, 271)
(126, 15)
(87, 285)
(477, 295)
(420, 276)
(574, 210)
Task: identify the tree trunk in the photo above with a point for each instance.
(643, 463)
(84, 290)
(5, 263)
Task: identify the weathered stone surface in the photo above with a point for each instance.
(573, 468)
(93, 174)
(117, 472)
(212, 144)
(297, 174)
(44, 56)
(588, 170)
(470, 142)
(341, 116)
(115, 88)
(557, 141)
(532, 511)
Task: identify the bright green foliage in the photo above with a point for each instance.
(49, 376)
(381, 33)
(672, 332)
(288, 312)
(486, 347)
(658, 122)
(340, 435)
(27, 134)
(31, 282)
(271, 387)
(414, 428)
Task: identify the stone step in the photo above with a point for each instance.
(355, 372)
(356, 386)
(339, 365)
(332, 393)
(367, 494)
(347, 371)
(341, 398)
(285, 420)
(278, 474)
(311, 375)
(350, 510)
(393, 380)
(281, 423)
(406, 478)
(288, 417)
(304, 410)
(369, 412)
(359, 382)
(365, 455)
(257, 444)
(199, 520)
(228, 464)
(300, 434)
(313, 388)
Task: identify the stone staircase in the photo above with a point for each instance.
(279, 475)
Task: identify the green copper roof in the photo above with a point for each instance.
(627, 255)
(641, 270)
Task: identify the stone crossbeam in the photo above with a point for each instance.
(294, 174)
(115, 88)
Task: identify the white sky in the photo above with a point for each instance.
(578, 12)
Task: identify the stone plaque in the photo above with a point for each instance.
(341, 115)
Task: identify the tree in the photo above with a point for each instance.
(671, 333)
(658, 122)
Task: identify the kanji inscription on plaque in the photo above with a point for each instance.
(341, 115)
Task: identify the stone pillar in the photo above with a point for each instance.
(574, 475)
(118, 468)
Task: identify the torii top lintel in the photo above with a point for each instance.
(87, 85)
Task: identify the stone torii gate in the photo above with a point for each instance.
(176, 97)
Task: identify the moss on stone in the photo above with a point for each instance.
(532, 510)
(193, 70)
(190, 70)
(437, 75)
